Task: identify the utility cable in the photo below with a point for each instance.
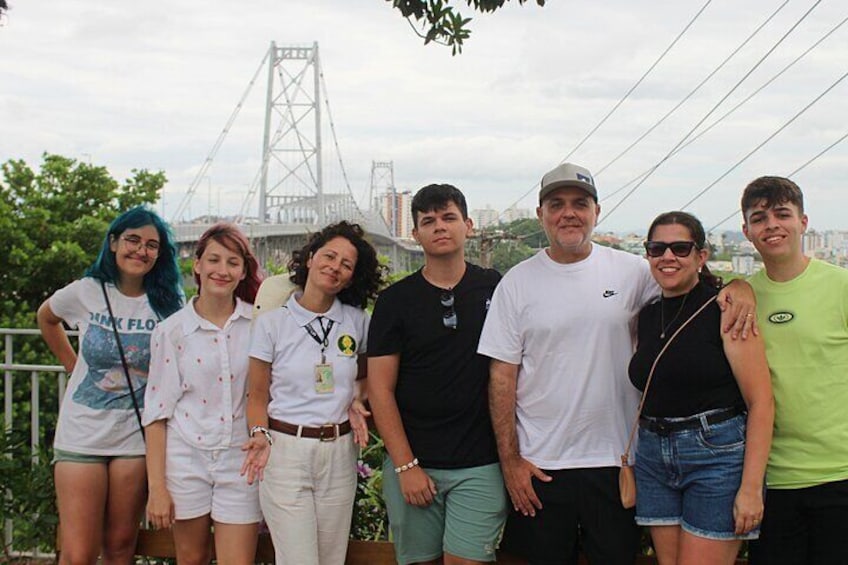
(737, 106)
(693, 91)
(766, 140)
(790, 175)
(623, 98)
(708, 114)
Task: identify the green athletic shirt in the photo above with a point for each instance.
(805, 325)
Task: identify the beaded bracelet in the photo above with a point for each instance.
(264, 431)
(407, 467)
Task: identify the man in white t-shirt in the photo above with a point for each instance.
(560, 332)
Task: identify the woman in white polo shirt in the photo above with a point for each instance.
(195, 408)
(306, 359)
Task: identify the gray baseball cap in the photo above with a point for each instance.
(566, 175)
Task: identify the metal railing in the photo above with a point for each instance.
(14, 370)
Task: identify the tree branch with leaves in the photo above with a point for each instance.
(439, 22)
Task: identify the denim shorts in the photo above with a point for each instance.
(689, 478)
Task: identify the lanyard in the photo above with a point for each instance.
(322, 341)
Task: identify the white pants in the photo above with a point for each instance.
(307, 498)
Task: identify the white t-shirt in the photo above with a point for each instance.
(97, 416)
(198, 377)
(280, 338)
(571, 329)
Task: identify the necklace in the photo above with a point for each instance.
(663, 325)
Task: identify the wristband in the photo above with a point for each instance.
(407, 467)
(264, 431)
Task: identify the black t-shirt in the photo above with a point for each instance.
(693, 375)
(442, 382)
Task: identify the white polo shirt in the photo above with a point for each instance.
(198, 377)
(280, 337)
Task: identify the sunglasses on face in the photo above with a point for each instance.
(449, 318)
(679, 248)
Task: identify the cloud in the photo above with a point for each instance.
(135, 85)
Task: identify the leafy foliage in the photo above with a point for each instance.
(440, 22)
(370, 520)
(29, 503)
(52, 223)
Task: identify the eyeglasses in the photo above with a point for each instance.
(135, 243)
(449, 318)
(679, 248)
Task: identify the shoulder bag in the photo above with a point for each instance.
(626, 477)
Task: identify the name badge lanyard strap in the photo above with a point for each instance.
(322, 341)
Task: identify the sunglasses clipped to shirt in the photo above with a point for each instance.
(449, 318)
(679, 248)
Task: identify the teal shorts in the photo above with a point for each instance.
(465, 519)
(60, 455)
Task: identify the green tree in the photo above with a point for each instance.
(52, 223)
(439, 22)
(528, 231)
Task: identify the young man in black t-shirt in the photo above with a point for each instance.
(428, 392)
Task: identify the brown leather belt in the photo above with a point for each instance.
(327, 432)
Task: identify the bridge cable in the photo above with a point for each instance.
(336, 143)
(183, 205)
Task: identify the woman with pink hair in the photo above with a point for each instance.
(195, 408)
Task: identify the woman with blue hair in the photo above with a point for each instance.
(99, 446)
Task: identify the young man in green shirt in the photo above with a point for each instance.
(802, 307)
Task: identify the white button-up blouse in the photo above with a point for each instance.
(198, 377)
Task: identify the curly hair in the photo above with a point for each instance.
(696, 232)
(368, 274)
(231, 237)
(162, 283)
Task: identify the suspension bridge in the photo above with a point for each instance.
(290, 190)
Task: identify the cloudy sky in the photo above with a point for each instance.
(130, 84)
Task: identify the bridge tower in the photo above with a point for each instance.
(382, 195)
(294, 143)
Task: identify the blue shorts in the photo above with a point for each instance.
(689, 478)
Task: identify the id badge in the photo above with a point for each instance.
(324, 381)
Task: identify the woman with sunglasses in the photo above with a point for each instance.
(705, 428)
(195, 408)
(305, 397)
(99, 446)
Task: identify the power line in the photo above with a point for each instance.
(713, 109)
(638, 82)
(693, 91)
(790, 175)
(623, 98)
(737, 106)
(769, 138)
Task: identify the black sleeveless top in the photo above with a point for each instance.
(693, 375)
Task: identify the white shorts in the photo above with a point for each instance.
(203, 482)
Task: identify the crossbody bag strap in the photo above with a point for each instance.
(123, 359)
(626, 457)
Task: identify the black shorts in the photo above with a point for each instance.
(581, 510)
(801, 526)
